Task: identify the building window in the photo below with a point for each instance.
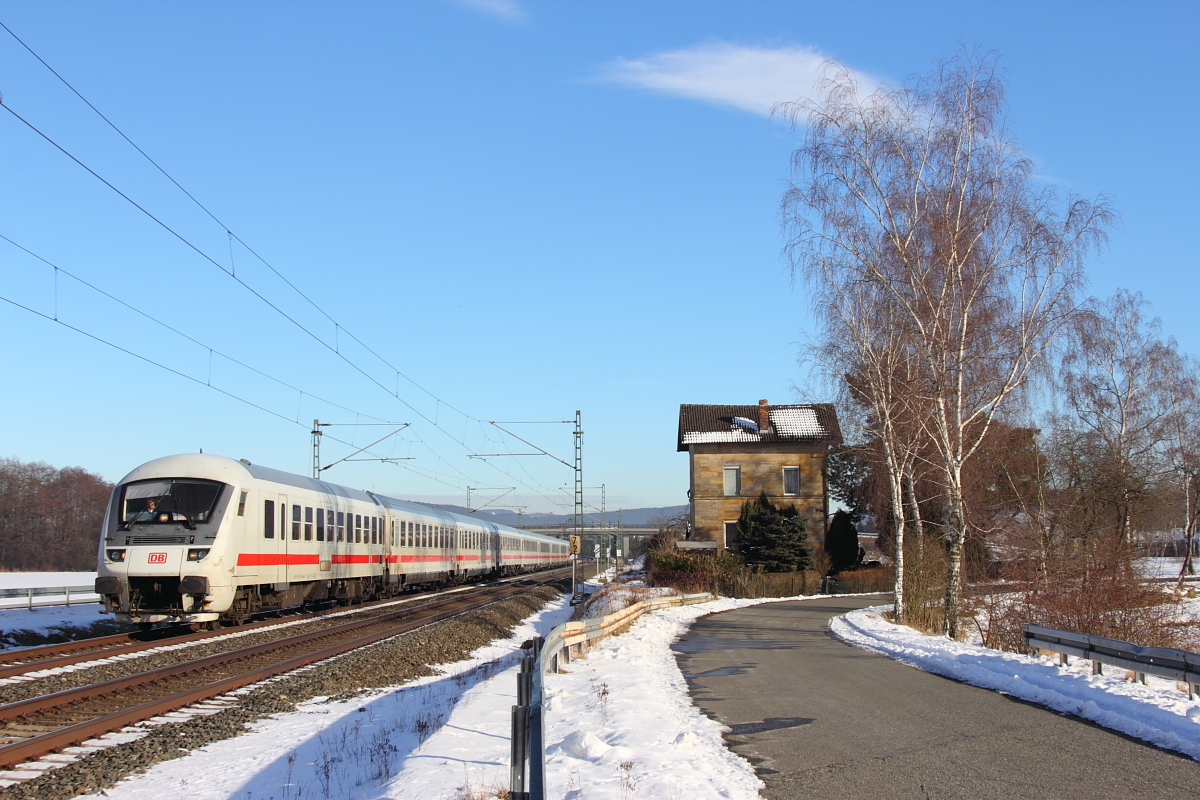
(791, 480)
(731, 534)
(733, 481)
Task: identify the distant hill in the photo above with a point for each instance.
(632, 517)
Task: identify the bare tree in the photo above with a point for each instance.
(864, 350)
(1117, 378)
(921, 192)
(1182, 443)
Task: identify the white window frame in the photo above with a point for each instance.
(737, 488)
(787, 469)
(725, 530)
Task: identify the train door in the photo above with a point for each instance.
(283, 527)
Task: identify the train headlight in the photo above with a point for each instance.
(115, 555)
(197, 553)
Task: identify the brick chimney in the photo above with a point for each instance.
(764, 419)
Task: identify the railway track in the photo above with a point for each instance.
(39, 726)
(51, 656)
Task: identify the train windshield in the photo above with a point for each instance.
(170, 501)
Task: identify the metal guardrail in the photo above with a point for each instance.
(527, 768)
(1166, 662)
(51, 591)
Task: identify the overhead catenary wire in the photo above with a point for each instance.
(273, 306)
(185, 376)
(230, 272)
(211, 350)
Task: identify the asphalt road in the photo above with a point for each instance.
(821, 719)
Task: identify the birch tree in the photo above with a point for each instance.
(921, 193)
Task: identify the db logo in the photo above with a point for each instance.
(156, 558)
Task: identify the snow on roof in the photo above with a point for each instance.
(713, 437)
(710, 424)
(797, 422)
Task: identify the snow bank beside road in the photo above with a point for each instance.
(1159, 713)
(620, 723)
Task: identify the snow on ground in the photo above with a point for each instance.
(45, 620)
(25, 580)
(447, 736)
(47, 580)
(616, 596)
(437, 737)
(1158, 712)
(1162, 566)
(610, 735)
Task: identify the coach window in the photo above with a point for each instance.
(320, 524)
(268, 519)
(424, 534)
(791, 480)
(357, 528)
(374, 530)
(341, 524)
(296, 523)
(242, 503)
(308, 524)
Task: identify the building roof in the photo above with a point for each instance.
(740, 424)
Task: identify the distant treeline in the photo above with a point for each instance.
(49, 518)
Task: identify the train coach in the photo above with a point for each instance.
(202, 539)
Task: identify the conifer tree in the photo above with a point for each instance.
(841, 541)
(773, 538)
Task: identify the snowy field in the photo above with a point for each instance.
(1162, 566)
(48, 580)
(1158, 713)
(24, 580)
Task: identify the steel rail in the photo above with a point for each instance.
(44, 743)
(34, 659)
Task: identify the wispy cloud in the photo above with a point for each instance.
(751, 78)
(506, 9)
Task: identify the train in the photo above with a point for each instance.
(205, 540)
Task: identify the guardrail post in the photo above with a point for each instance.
(1098, 668)
(30, 593)
(519, 753)
(68, 591)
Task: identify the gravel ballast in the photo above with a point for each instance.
(390, 663)
(27, 688)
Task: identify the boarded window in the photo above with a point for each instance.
(733, 481)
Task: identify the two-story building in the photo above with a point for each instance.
(738, 452)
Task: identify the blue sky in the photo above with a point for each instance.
(525, 208)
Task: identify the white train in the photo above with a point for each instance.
(201, 538)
